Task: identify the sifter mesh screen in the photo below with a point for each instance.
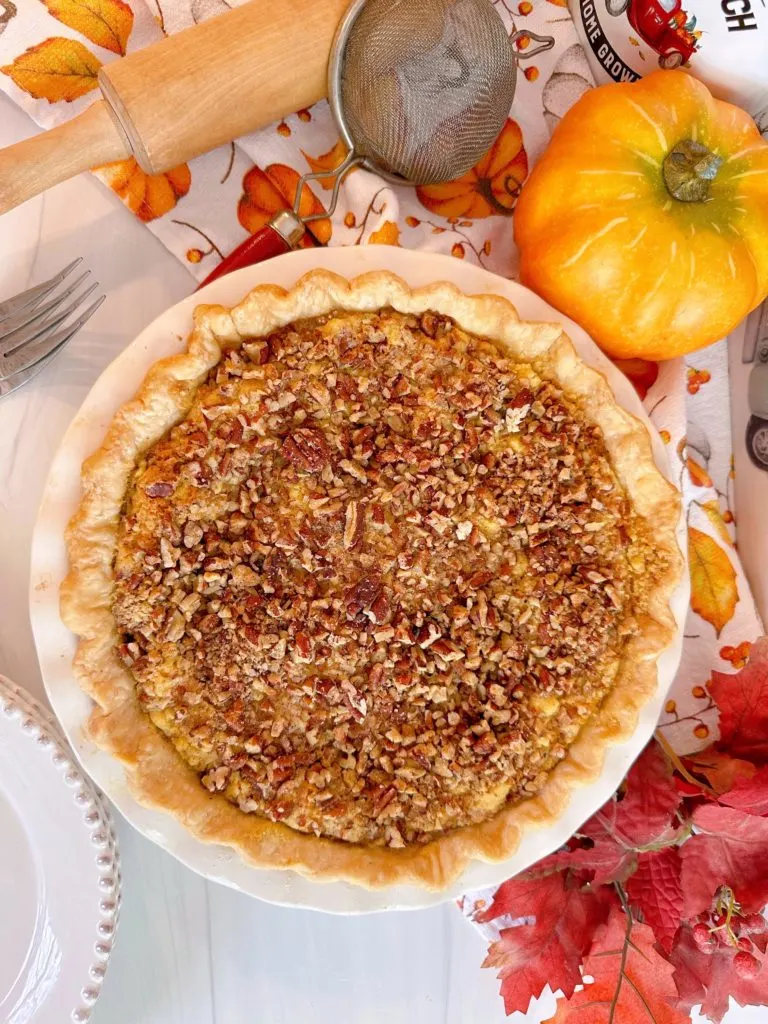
(426, 85)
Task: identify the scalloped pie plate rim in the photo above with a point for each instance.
(56, 645)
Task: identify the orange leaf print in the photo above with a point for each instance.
(55, 70)
(711, 510)
(699, 476)
(107, 23)
(559, 3)
(713, 580)
(490, 187)
(327, 162)
(265, 193)
(387, 234)
(149, 195)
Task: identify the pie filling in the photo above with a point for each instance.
(377, 579)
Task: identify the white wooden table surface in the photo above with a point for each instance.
(189, 951)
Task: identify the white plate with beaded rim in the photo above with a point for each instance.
(59, 872)
(56, 645)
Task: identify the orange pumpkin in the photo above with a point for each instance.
(646, 219)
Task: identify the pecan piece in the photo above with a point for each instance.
(479, 579)
(307, 449)
(434, 325)
(193, 534)
(353, 526)
(363, 594)
(304, 647)
(209, 623)
(427, 635)
(244, 576)
(158, 489)
(523, 397)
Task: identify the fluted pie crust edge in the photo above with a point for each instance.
(156, 774)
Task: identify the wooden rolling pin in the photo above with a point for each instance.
(187, 94)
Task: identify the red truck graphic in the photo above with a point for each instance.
(661, 24)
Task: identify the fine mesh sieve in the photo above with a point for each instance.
(421, 88)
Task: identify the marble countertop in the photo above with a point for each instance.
(189, 951)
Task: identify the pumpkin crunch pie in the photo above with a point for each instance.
(367, 578)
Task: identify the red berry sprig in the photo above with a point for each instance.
(725, 926)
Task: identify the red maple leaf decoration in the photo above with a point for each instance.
(620, 827)
(549, 947)
(709, 978)
(749, 794)
(743, 702)
(655, 890)
(687, 853)
(717, 768)
(632, 983)
(731, 848)
(535, 895)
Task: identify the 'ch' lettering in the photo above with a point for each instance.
(739, 16)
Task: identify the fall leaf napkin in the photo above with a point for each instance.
(50, 53)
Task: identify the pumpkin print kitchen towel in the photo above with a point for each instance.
(50, 53)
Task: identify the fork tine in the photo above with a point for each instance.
(26, 357)
(16, 380)
(11, 329)
(31, 295)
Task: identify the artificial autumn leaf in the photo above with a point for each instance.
(632, 981)
(655, 890)
(699, 476)
(149, 195)
(55, 70)
(549, 950)
(107, 23)
(729, 848)
(711, 510)
(719, 769)
(713, 580)
(709, 978)
(742, 699)
(490, 187)
(749, 795)
(327, 162)
(536, 895)
(643, 817)
(266, 193)
(641, 372)
(387, 234)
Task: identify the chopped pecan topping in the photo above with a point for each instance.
(391, 581)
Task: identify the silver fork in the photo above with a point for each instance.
(36, 324)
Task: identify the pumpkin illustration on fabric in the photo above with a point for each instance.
(265, 193)
(491, 187)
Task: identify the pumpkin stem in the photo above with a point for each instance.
(689, 170)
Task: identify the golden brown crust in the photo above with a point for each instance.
(157, 774)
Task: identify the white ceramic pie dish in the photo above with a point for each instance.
(59, 872)
(56, 645)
